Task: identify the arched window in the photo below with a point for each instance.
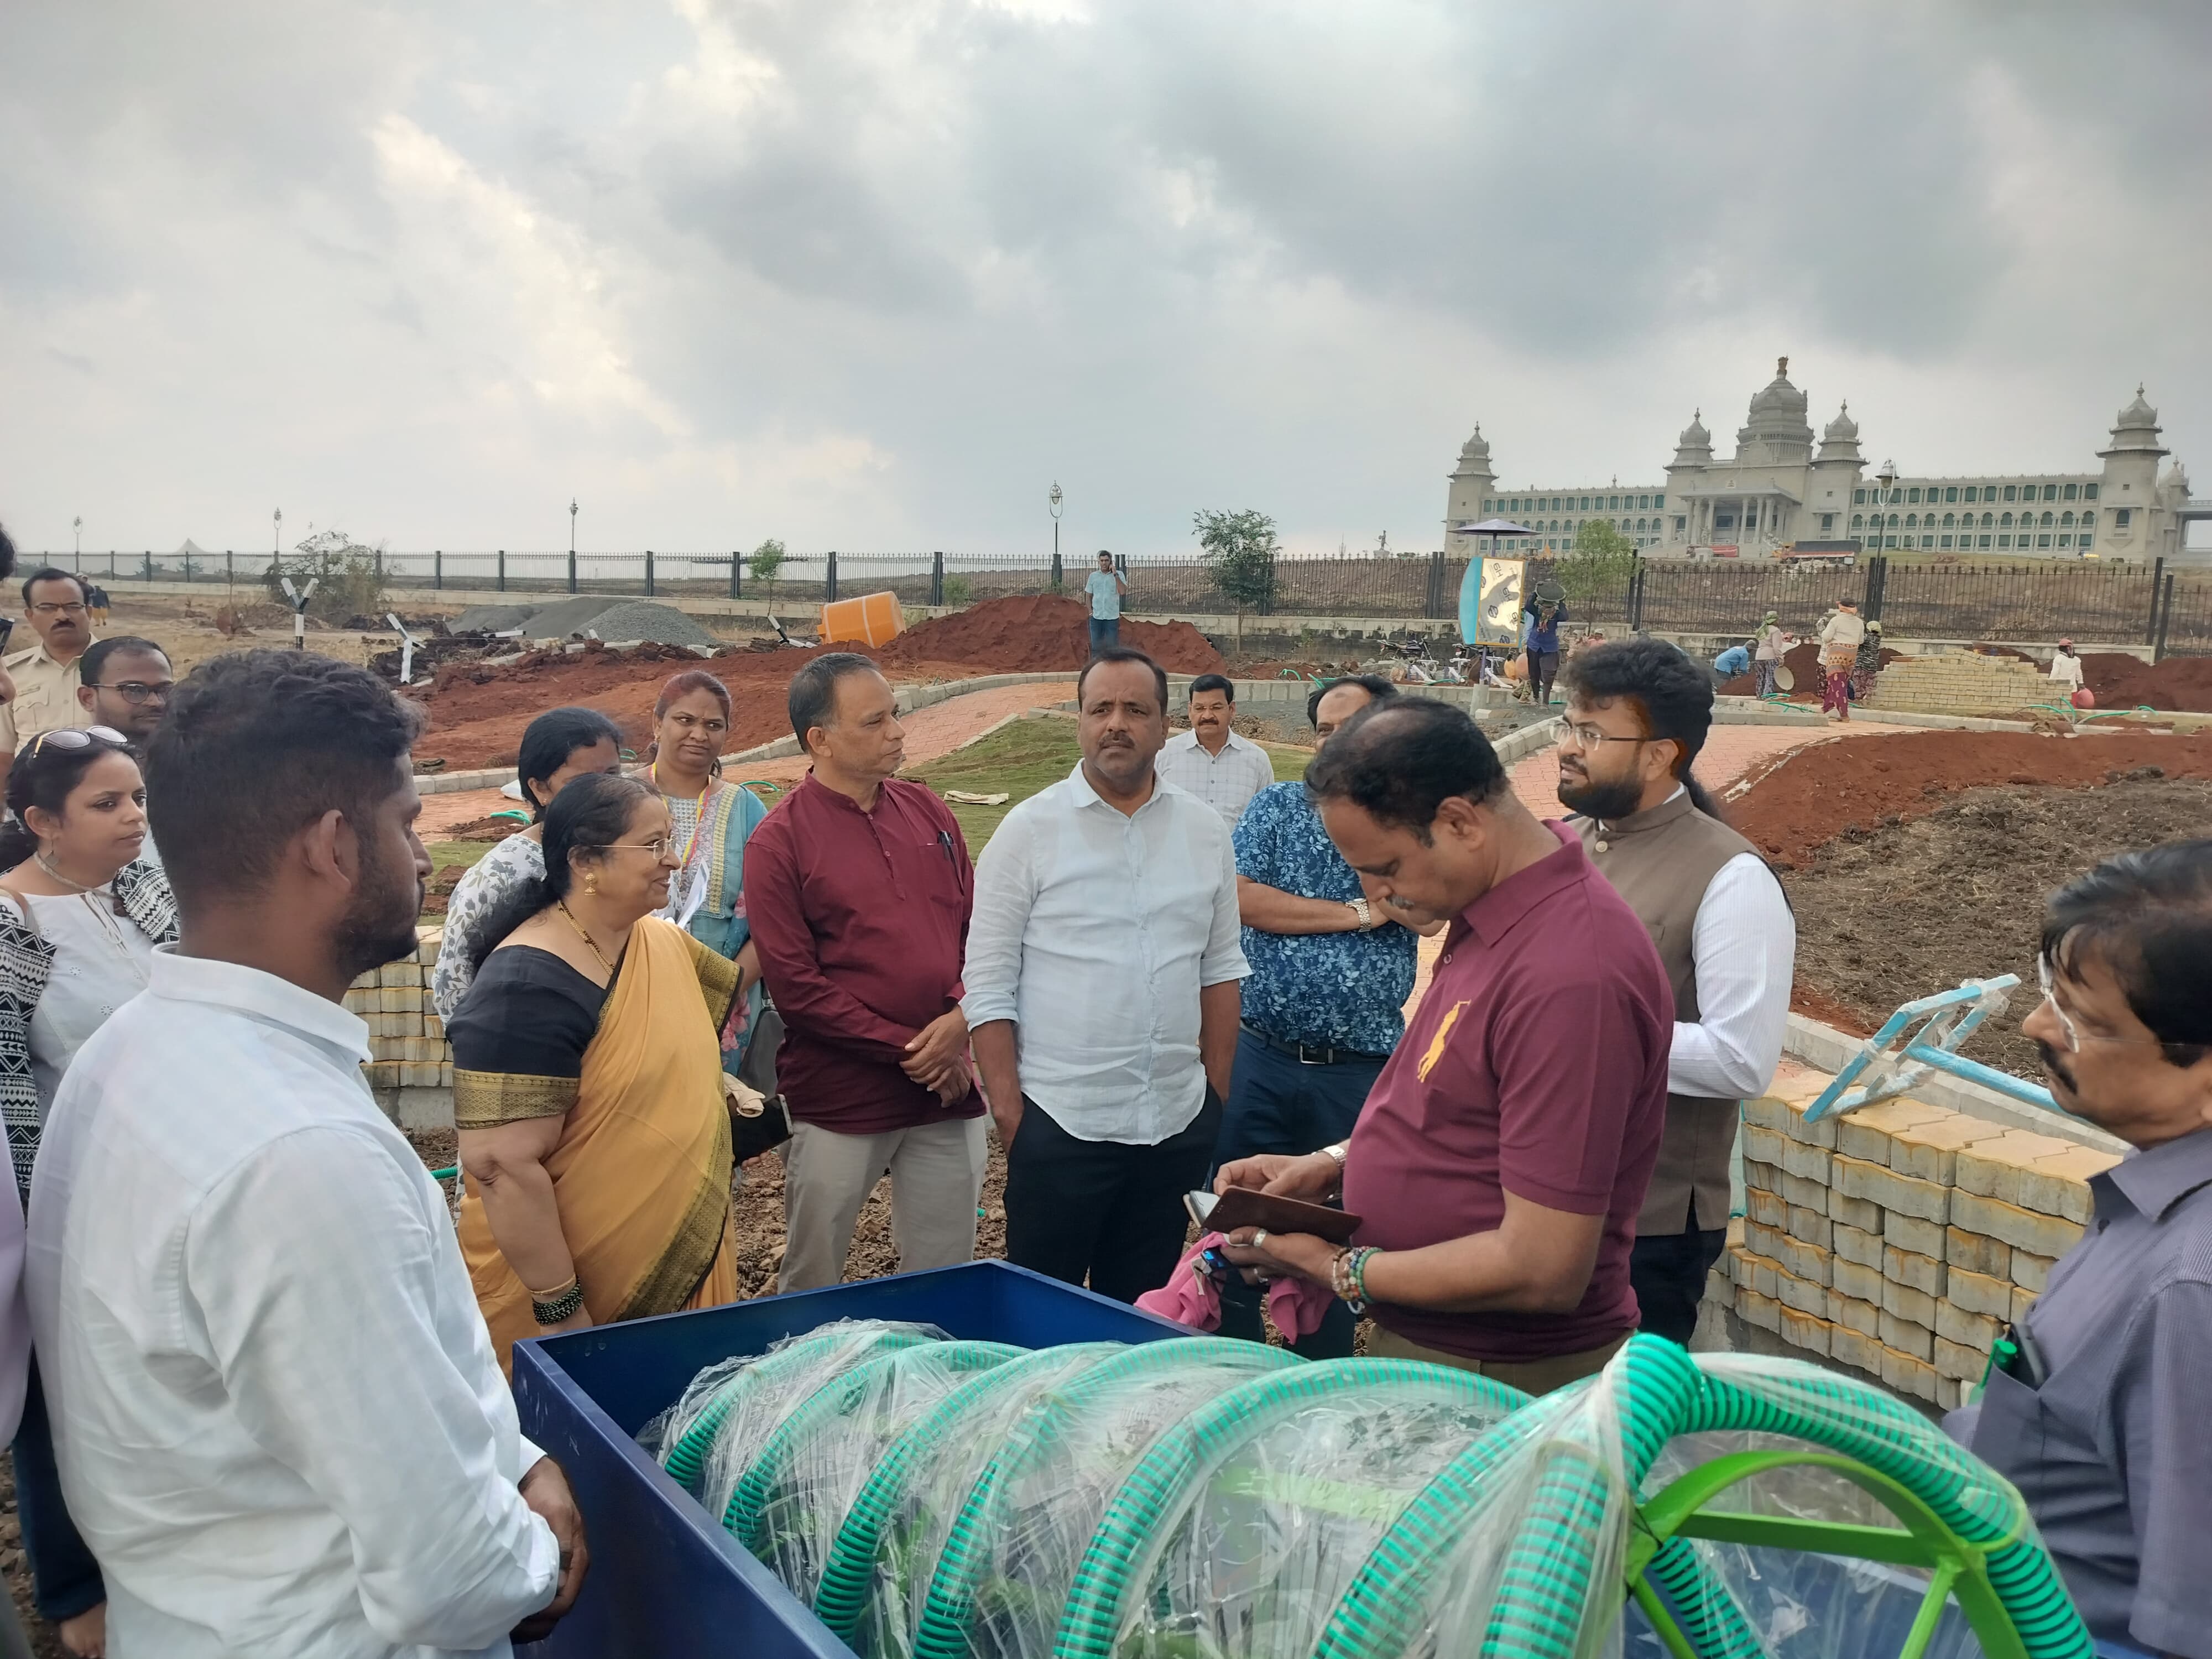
(2047, 520)
(2005, 521)
(1912, 520)
(1950, 519)
(1892, 521)
(2065, 520)
(1859, 521)
(1988, 520)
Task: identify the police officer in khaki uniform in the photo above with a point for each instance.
(46, 676)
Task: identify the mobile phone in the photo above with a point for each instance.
(1247, 1206)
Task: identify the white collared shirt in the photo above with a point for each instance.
(1226, 781)
(1094, 931)
(279, 1421)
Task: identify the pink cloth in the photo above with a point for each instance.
(1191, 1298)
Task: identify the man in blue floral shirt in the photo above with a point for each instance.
(1321, 1009)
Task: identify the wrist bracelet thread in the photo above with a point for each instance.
(552, 1310)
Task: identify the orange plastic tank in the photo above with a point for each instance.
(872, 619)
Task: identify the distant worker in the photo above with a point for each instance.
(46, 675)
(1638, 713)
(1101, 995)
(1772, 642)
(1544, 614)
(1105, 586)
(2066, 667)
(2095, 1401)
(1210, 760)
(1736, 660)
(96, 597)
(1866, 667)
(1841, 635)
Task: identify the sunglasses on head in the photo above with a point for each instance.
(74, 736)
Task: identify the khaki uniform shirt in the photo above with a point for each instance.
(45, 697)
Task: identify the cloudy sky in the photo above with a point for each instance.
(871, 274)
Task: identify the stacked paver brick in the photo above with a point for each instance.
(1900, 1238)
(1960, 682)
(406, 1038)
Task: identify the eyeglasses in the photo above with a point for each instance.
(73, 736)
(139, 691)
(1589, 736)
(73, 609)
(659, 846)
(2074, 1039)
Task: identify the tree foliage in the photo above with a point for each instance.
(1238, 550)
(1601, 563)
(766, 564)
(349, 577)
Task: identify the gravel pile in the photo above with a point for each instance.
(642, 619)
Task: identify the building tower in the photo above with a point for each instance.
(1693, 453)
(2134, 528)
(1835, 475)
(1472, 483)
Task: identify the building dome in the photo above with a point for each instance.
(2136, 432)
(1476, 448)
(2137, 414)
(1778, 430)
(1843, 428)
(1694, 435)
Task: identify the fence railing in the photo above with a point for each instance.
(2094, 603)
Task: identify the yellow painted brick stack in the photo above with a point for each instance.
(1960, 682)
(406, 1038)
(1898, 1240)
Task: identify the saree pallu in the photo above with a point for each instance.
(641, 1174)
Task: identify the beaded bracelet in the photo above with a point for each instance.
(560, 1305)
(1347, 1276)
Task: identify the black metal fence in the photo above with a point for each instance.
(2096, 603)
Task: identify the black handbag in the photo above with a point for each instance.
(765, 1127)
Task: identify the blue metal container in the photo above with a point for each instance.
(666, 1581)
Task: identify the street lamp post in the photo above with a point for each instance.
(572, 543)
(276, 539)
(1888, 479)
(1051, 500)
(77, 525)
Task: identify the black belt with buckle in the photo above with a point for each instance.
(1304, 1052)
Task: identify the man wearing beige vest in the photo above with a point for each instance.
(1636, 715)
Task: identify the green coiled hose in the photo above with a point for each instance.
(944, 1630)
(848, 1578)
(1139, 1522)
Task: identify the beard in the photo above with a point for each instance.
(2055, 1063)
(1602, 800)
(380, 927)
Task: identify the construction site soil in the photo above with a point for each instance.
(477, 710)
(1909, 908)
(2116, 680)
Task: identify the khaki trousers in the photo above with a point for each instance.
(937, 1178)
(1529, 1375)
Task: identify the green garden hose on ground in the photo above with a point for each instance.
(1019, 1537)
(1114, 1582)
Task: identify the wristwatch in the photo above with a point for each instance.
(1360, 907)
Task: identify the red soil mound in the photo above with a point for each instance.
(478, 712)
(2119, 680)
(1036, 634)
(1811, 795)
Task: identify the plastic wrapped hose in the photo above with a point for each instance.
(1003, 1578)
(791, 1503)
(711, 1435)
(879, 1568)
(1242, 1527)
(1524, 1539)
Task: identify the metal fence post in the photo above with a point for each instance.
(937, 577)
(829, 579)
(1267, 594)
(111, 563)
(736, 565)
(148, 556)
(2157, 576)
(1432, 601)
(229, 568)
(188, 569)
(502, 570)
(2165, 619)
(1058, 575)
(437, 569)
(1636, 574)
(648, 573)
(572, 570)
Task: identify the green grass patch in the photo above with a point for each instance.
(463, 852)
(1029, 755)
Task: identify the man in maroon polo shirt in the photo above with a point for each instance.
(1502, 1155)
(859, 889)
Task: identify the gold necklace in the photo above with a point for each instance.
(590, 944)
(47, 865)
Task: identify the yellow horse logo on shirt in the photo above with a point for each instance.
(1435, 1051)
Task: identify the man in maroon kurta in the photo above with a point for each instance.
(1502, 1156)
(857, 887)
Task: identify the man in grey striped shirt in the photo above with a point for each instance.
(1210, 760)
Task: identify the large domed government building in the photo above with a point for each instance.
(1785, 492)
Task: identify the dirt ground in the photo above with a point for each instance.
(1913, 907)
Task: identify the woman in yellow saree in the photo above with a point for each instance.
(587, 1086)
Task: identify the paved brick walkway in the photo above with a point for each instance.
(931, 732)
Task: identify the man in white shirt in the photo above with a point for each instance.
(1102, 998)
(2066, 667)
(276, 1413)
(1211, 761)
(1637, 713)
(1105, 587)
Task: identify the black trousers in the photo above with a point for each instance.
(1101, 1209)
(1668, 1276)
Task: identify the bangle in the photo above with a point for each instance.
(1340, 1153)
(558, 1305)
(1347, 1276)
